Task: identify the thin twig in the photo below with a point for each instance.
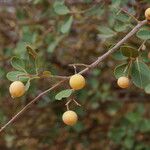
(75, 69)
(60, 77)
(113, 49)
(94, 64)
(67, 104)
(84, 65)
(76, 102)
(69, 101)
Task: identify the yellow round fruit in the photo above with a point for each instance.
(147, 13)
(123, 82)
(77, 82)
(16, 89)
(70, 118)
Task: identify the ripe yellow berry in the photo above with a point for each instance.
(147, 13)
(16, 89)
(123, 82)
(70, 118)
(77, 82)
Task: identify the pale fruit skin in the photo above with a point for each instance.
(70, 118)
(123, 82)
(77, 82)
(16, 89)
(147, 13)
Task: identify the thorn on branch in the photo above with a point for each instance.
(76, 102)
(69, 101)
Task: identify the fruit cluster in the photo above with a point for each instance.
(76, 82)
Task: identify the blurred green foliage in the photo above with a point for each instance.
(66, 32)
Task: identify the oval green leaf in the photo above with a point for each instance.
(60, 8)
(17, 75)
(129, 51)
(121, 70)
(118, 56)
(18, 63)
(143, 34)
(140, 74)
(67, 25)
(63, 94)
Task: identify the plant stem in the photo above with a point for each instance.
(94, 64)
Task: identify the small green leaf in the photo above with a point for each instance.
(105, 36)
(63, 94)
(106, 30)
(20, 49)
(32, 65)
(52, 46)
(129, 51)
(17, 75)
(18, 63)
(60, 8)
(120, 27)
(97, 10)
(31, 52)
(123, 17)
(140, 74)
(143, 34)
(118, 56)
(145, 56)
(67, 25)
(147, 89)
(121, 70)
(27, 85)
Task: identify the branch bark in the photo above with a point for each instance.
(93, 65)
